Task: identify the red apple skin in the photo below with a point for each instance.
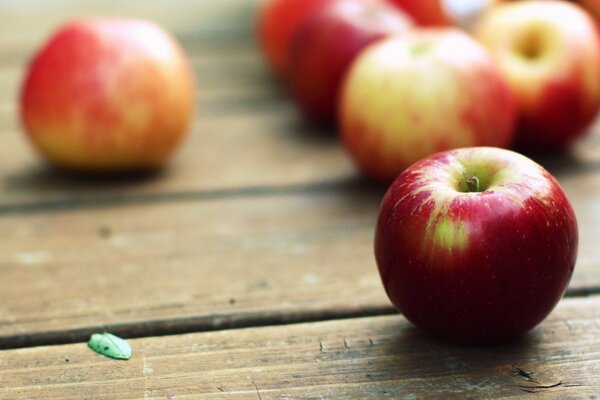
(593, 7)
(425, 12)
(445, 13)
(278, 20)
(557, 90)
(325, 46)
(108, 95)
(481, 267)
(398, 105)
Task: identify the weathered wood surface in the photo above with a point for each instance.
(258, 207)
(26, 22)
(377, 357)
(207, 262)
(181, 264)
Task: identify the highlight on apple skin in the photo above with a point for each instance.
(549, 53)
(446, 13)
(107, 95)
(433, 90)
(476, 245)
(324, 47)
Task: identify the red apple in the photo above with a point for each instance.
(549, 53)
(443, 12)
(324, 47)
(476, 245)
(425, 12)
(593, 7)
(278, 20)
(108, 95)
(433, 90)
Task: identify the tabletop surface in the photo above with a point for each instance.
(245, 269)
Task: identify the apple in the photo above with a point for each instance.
(425, 12)
(278, 20)
(444, 12)
(593, 7)
(476, 245)
(549, 53)
(108, 95)
(324, 47)
(429, 91)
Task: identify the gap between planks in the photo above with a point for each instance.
(211, 323)
(373, 357)
(177, 326)
(92, 202)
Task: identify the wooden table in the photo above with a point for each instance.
(245, 269)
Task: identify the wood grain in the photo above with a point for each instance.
(203, 262)
(381, 357)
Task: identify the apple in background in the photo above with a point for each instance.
(278, 20)
(425, 12)
(324, 47)
(476, 245)
(108, 95)
(443, 12)
(433, 90)
(549, 53)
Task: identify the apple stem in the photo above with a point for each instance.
(473, 184)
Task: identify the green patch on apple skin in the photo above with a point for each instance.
(451, 235)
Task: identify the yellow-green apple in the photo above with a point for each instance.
(405, 98)
(549, 53)
(476, 245)
(108, 95)
(444, 12)
(324, 47)
(277, 22)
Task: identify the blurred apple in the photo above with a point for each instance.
(324, 47)
(549, 53)
(108, 95)
(433, 90)
(278, 20)
(444, 12)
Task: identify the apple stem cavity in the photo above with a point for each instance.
(473, 184)
(531, 45)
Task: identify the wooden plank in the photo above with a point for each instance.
(185, 18)
(207, 262)
(204, 261)
(359, 358)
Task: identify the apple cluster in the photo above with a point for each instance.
(403, 79)
(475, 243)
